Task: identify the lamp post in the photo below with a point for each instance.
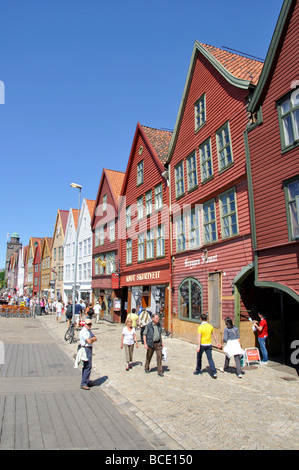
(77, 186)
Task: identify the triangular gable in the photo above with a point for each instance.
(273, 53)
(152, 142)
(237, 70)
(47, 244)
(38, 249)
(73, 216)
(115, 180)
(61, 221)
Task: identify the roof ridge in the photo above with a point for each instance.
(234, 53)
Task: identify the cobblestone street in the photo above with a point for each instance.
(259, 411)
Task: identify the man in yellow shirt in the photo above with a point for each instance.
(134, 317)
(204, 344)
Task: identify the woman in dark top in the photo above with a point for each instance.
(231, 338)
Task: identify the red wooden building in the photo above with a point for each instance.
(272, 142)
(211, 245)
(37, 267)
(144, 237)
(105, 255)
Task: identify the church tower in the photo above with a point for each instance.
(13, 245)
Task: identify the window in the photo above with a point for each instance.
(193, 226)
(288, 112)
(148, 203)
(140, 208)
(112, 230)
(225, 157)
(140, 173)
(292, 201)
(97, 236)
(158, 197)
(190, 300)
(179, 180)
(128, 217)
(105, 202)
(181, 233)
(141, 253)
(200, 112)
(150, 244)
(228, 211)
(160, 240)
(205, 156)
(110, 262)
(129, 251)
(101, 235)
(89, 246)
(209, 222)
(191, 171)
(96, 268)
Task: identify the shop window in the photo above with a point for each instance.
(190, 299)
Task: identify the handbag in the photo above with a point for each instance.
(164, 354)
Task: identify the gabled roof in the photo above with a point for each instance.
(63, 217)
(160, 140)
(90, 205)
(115, 181)
(241, 72)
(48, 243)
(157, 142)
(238, 66)
(273, 51)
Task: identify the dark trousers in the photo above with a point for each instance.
(237, 362)
(87, 366)
(208, 350)
(149, 354)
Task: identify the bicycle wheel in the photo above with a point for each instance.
(72, 335)
(67, 334)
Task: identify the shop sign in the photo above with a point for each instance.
(154, 275)
(198, 262)
(252, 355)
(115, 281)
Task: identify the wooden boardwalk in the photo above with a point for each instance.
(43, 407)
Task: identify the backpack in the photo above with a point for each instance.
(90, 312)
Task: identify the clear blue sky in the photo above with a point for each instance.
(79, 76)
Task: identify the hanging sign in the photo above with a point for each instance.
(115, 281)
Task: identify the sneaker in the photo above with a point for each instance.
(221, 369)
(84, 387)
(196, 372)
(215, 376)
(240, 376)
(146, 371)
(264, 363)
(161, 375)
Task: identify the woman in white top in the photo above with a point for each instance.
(128, 338)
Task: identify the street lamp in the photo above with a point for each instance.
(76, 186)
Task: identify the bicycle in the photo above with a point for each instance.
(70, 333)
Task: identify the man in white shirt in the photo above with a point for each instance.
(59, 307)
(87, 338)
(97, 311)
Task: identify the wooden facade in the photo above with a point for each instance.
(37, 280)
(57, 253)
(211, 243)
(105, 257)
(144, 235)
(272, 143)
(46, 260)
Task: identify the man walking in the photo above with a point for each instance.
(87, 338)
(153, 342)
(204, 344)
